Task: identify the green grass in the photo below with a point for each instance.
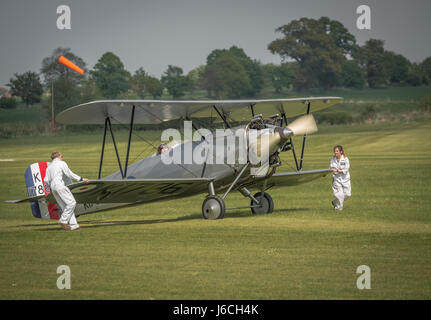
(165, 250)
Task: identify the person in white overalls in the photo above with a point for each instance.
(56, 175)
(341, 187)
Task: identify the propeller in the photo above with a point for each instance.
(303, 125)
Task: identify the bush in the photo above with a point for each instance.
(8, 103)
(333, 117)
(369, 112)
(22, 129)
(425, 103)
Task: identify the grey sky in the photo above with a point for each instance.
(154, 33)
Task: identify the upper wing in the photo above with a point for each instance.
(157, 111)
(130, 191)
(290, 178)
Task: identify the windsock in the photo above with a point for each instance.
(70, 64)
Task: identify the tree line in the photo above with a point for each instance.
(316, 53)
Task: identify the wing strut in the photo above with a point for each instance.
(252, 109)
(115, 146)
(222, 116)
(290, 143)
(304, 138)
(128, 143)
(103, 147)
(109, 124)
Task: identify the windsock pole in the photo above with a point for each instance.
(72, 66)
(52, 108)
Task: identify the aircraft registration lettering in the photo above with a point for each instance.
(88, 205)
(172, 187)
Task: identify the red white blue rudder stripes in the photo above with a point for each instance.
(35, 182)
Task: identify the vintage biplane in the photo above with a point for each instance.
(151, 179)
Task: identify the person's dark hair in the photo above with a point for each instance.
(341, 150)
(160, 148)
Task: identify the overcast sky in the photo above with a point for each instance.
(154, 33)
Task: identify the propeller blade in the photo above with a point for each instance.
(303, 125)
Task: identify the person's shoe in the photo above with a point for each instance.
(64, 226)
(77, 228)
(333, 203)
(339, 208)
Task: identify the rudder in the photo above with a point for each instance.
(35, 182)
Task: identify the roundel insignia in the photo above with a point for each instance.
(84, 188)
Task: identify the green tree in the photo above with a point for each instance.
(319, 47)
(397, 67)
(352, 75)
(154, 87)
(416, 76)
(174, 80)
(226, 77)
(282, 76)
(27, 86)
(110, 75)
(143, 84)
(196, 78)
(278, 76)
(252, 67)
(372, 56)
(89, 91)
(138, 82)
(426, 68)
(342, 37)
(66, 94)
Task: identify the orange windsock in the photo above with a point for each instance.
(70, 64)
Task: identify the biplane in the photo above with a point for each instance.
(151, 179)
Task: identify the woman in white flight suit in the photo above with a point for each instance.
(341, 187)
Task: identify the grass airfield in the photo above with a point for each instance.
(166, 250)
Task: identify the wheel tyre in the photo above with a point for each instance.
(213, 208)
(267, 203)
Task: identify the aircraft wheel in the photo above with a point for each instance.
(265, 201)
(213, 208)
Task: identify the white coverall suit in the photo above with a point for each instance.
(341, 181)
(56, 175)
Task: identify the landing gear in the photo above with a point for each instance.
(213, 208)
(266, 205)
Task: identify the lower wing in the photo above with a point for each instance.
(289, 178)
(129, 191)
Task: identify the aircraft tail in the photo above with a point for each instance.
(35, 182)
